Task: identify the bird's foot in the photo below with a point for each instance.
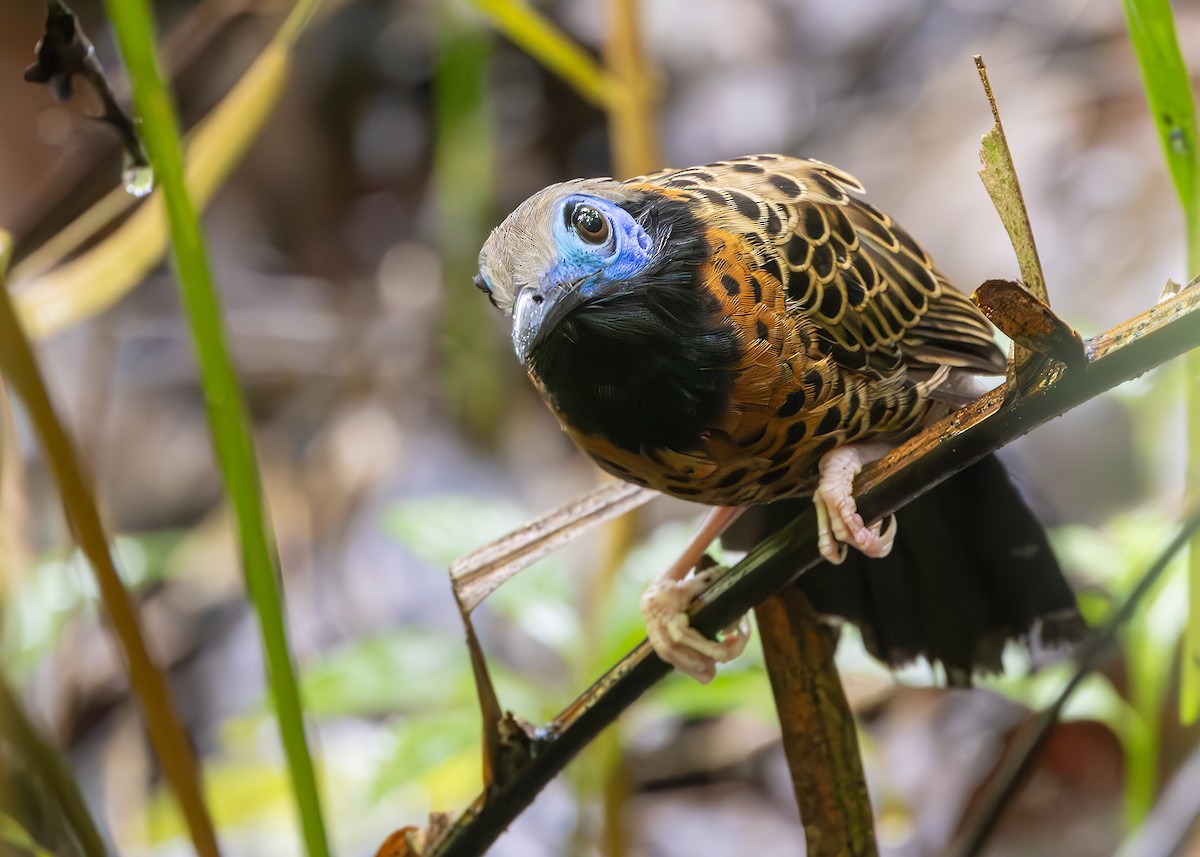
(838, 523)
(664, 606)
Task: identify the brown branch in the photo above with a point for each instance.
(820, 738)
(1167, 330)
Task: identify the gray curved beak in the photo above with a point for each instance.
(537, 311)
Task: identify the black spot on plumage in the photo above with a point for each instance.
(732, 478)
(746, 206)
(774, 224)
(661, 349)
(772, 267)
(783, 455)
(866, 271)
(713, 196)
(704, 175)
(762, 330)
(831, 301)
(842, 227)
(756, 288)
(773, 476)
(827, 187)
(796, 432)
(685, 490)
(822, 261)
(830, 422)
(856, 293)
(799, 286)
(792, 404)
(748, 168)
(814, 223)
(873, 211)
(681, 181)
(904, 312)
(784, 185)
(732, 286)
(878, 411)
(797, 250)
(814, 383)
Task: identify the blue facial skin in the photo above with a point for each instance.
(594, 266)
(582, 271)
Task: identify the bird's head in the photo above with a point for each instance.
(568, 250)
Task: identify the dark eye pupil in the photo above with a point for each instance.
(590, 224)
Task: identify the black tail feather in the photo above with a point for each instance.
(971, 568)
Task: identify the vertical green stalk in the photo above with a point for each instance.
(133, 23)
(463, 176)
(1169, 92)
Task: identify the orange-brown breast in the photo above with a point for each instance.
(790, 401)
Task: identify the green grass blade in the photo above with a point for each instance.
(133, 24)
(1169, 93)
(550, 46)
(149, 684)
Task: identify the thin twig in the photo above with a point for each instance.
(64, 52)
(1004, 785)
(1165, 331)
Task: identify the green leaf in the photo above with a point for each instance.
(1169, 93)
(410, 670)
(438, 530)
(421, 745)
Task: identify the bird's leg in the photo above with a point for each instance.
(838, 523)
(665, 602)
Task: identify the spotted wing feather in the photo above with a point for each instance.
(858, 276)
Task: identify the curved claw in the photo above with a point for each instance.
(674, 639)
(839, 526)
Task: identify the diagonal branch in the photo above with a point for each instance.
(1167, 330)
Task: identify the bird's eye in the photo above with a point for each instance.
(589, 224)
(482, 284)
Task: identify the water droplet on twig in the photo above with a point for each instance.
(139, 180)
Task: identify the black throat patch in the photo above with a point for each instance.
(651, 367)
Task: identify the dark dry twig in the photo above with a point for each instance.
(65, 51)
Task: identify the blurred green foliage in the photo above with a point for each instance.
(1173, 111)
